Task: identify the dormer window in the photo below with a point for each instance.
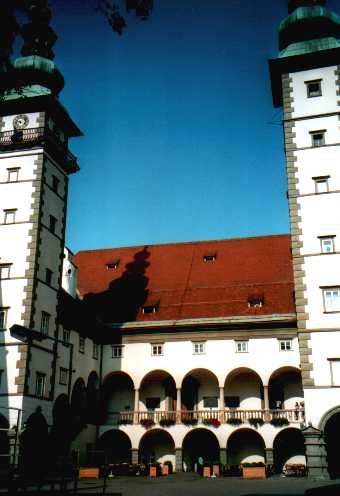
(314, 88)
(255, 302)
(147, 309)
(113, 265)
(210, 258)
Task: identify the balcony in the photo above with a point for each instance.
(40, 137)
(234, 417)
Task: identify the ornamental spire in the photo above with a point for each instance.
(38, 35)
(294, 4)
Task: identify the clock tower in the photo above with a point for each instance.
(35, 164)
(306, 83)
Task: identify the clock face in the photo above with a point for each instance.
(20, 121)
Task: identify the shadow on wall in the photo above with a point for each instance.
(122, 301)
(7, 418)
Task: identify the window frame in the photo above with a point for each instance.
(45, 323)
(66, 332)
(321, 180)
(330, 238)
(42, 376)
(114, 348)
(322, 142)
(95, 351)
(157, 346)
(242, 342)
(13, 170)
(200, 344)
(3, 320)
(149, 309)
(327, 309)
(317, 93)
(53, 224)
(63, 372)
(4, 267)
(8, 212)
(48, 276)
(81, 344)
(55, 184)
(283, 345)
(331, 361)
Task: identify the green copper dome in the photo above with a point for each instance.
(310, 27)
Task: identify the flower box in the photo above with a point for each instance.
(166, 422)
(214, 422)
(279, 421)
(234, 421)
(147, 423)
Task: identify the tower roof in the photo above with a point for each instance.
(309, 27)
(35, 73)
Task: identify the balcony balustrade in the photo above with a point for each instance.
(227, 416)
(39, 136)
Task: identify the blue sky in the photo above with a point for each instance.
(181, 139)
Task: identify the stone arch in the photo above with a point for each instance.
(117, 395)
(157, 445)
(158, 391)
(245, 445)
(330, 423)
(78, 399)
(243, 388)
(288, 447)
(198, 384)
(200, 445)
(60, 435)
(285, 388)
(116, 446)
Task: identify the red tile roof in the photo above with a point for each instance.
(176, 279)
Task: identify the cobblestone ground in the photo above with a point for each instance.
(193, 485)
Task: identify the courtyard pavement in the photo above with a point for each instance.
(194, 485)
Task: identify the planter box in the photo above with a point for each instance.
(254, 472)
(153, 472)
(89, 473)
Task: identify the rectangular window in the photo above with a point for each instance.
(95, 351)
(156, 349)
(152, 403)
(327, 244)
(9, 217)
(48, 276)
(45, 322)
(113, 265)
(66, 336)
(241, 346)
(147, 309)
(335, 371)
(55, 184)
(1, 376)
(198, 348)
(40, 383)
(232, 401)
(53, 223)
(81, 344)
(314, 88)
(63, 376)
(13, 174)
(318, 138)
(5, 270)
(321, 184)
(209, 258)
(331, 298)
(3, 318)
(117, 351)
(285, 345)
(255, 302)
(210, 402)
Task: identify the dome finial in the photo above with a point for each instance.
(294, 4)
(38, 36)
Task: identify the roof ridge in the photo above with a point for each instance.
(185, 243)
